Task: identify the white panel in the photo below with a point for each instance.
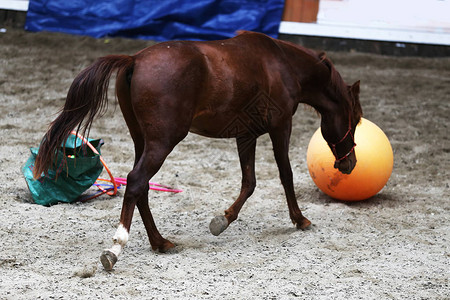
(21, 5)
(395, 14)
(411, 21)
(365, 33)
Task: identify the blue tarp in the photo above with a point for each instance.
(155, 19)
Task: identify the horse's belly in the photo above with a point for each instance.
(210, 126)
(227, 126)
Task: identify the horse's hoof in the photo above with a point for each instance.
(305, 223)
(108, 260)
(218, 225)
(164, 247)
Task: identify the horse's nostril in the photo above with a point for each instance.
(345, 166)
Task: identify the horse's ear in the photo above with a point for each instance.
(355, 88)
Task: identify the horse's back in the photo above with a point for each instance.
(239, 58)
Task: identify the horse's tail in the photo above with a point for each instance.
(87, 97)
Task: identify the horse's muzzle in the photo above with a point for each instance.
(347, 164)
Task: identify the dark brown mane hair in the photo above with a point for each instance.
(340, 90)
(337, 88)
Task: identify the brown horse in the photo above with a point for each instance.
(239, 88)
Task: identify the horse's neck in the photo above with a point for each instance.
(306, 73)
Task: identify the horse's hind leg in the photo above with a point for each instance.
(150, 155)
(280, 140)
(246, 149)
(157, 242)
(136, 194)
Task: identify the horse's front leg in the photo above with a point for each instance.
(246, 148)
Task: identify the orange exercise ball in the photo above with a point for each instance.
(373, 168)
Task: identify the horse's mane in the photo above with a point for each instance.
(337, 85)
(337, 88)
(340, 90)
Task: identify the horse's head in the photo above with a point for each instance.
(338, 129)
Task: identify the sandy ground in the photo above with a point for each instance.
(393, 246)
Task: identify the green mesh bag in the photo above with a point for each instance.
(69, 177)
